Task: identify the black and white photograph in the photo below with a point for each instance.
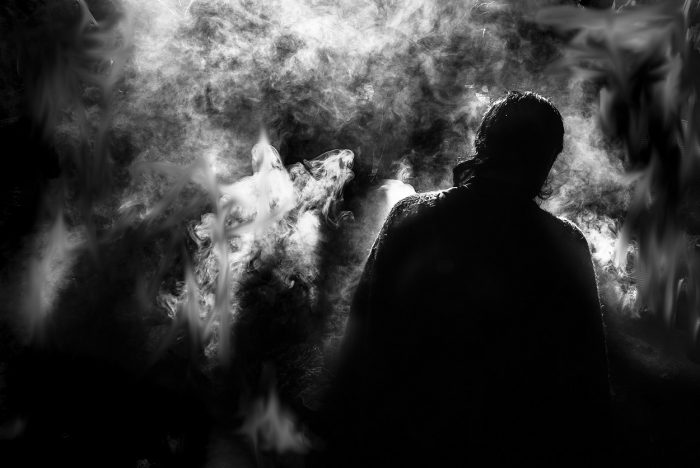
(349, 233)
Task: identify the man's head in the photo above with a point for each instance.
(518, 140)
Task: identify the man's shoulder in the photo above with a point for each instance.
(414, 206)
(410, 218)
(564, 228)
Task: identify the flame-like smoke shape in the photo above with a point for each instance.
(272, 213)
(71, 63)
(647, 61)
(271, 427)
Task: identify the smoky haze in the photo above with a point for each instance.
(402, 85)
(226, 165)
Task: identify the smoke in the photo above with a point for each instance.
(591, 187)
(645, 58)
(273, 427)
(401, 85)
(245, 249)
(388, 81)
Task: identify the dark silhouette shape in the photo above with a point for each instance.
(476, 333)
(31, 164)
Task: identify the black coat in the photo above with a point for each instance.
(476, 335)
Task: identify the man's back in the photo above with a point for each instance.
(476, 333)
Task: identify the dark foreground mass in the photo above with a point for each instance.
(476, 335)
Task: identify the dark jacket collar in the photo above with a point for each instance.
(473, 173)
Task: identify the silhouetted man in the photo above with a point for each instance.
(476, 333)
